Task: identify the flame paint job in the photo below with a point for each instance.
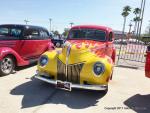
(87, 51)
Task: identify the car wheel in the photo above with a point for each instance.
(58, 44)
(7, 65)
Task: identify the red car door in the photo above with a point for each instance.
(33, 44)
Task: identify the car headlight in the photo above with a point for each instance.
(43, 60)
(98, 68)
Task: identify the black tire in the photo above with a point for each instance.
(58, 44)
(7, 65)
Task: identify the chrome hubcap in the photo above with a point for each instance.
(58, 44)
(6, 65)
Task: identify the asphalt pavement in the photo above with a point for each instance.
(128, 92)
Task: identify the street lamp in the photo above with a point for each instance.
(50, 24)
(143, 2)
(130, 26)
(149, 27)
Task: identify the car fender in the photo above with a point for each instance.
(147, 66)
(4, 51)
(50, 46)
(114, 55)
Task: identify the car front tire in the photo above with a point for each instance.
(7, 65)
(58, 44)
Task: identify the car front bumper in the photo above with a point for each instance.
(77, 86)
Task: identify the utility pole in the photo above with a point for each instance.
(149, 27)
(130, 26)
(71, 24)
(50, 24)
(142, 15)
(26, 21)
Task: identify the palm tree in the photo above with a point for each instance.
(137, 12)
(136, 20)
(71, 24)
(125, 13)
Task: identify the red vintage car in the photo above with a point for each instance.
(21, 45)
(147, 64)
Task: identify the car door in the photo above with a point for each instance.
(44, 41)
(30, 43)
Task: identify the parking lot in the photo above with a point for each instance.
(128, 92)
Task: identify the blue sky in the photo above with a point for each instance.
(62, 12)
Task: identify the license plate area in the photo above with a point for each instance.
(64, 85)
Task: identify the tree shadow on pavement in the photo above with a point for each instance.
(139, 103)
(37, 93)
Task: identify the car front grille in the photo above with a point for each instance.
(72, 74)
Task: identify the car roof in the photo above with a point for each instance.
(108, 29)
(23, 26)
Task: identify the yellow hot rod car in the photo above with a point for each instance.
(85, 61)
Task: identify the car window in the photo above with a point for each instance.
(4, 31)
(44, 34)
(100, 35)
(31, 32)
(15, 32)
(89, 34)
(10, 32)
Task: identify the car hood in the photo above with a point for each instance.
(75, 51)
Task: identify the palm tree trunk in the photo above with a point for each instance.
(135, 28)
(124, 25)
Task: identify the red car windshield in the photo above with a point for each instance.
(87, 34)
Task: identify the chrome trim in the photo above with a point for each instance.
(78, 86)
(67, 58)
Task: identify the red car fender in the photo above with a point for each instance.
(4, 51)
(147, 65)
(114, 55)
(50, 46)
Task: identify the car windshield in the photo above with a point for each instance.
(87, 34)
(10, 31)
